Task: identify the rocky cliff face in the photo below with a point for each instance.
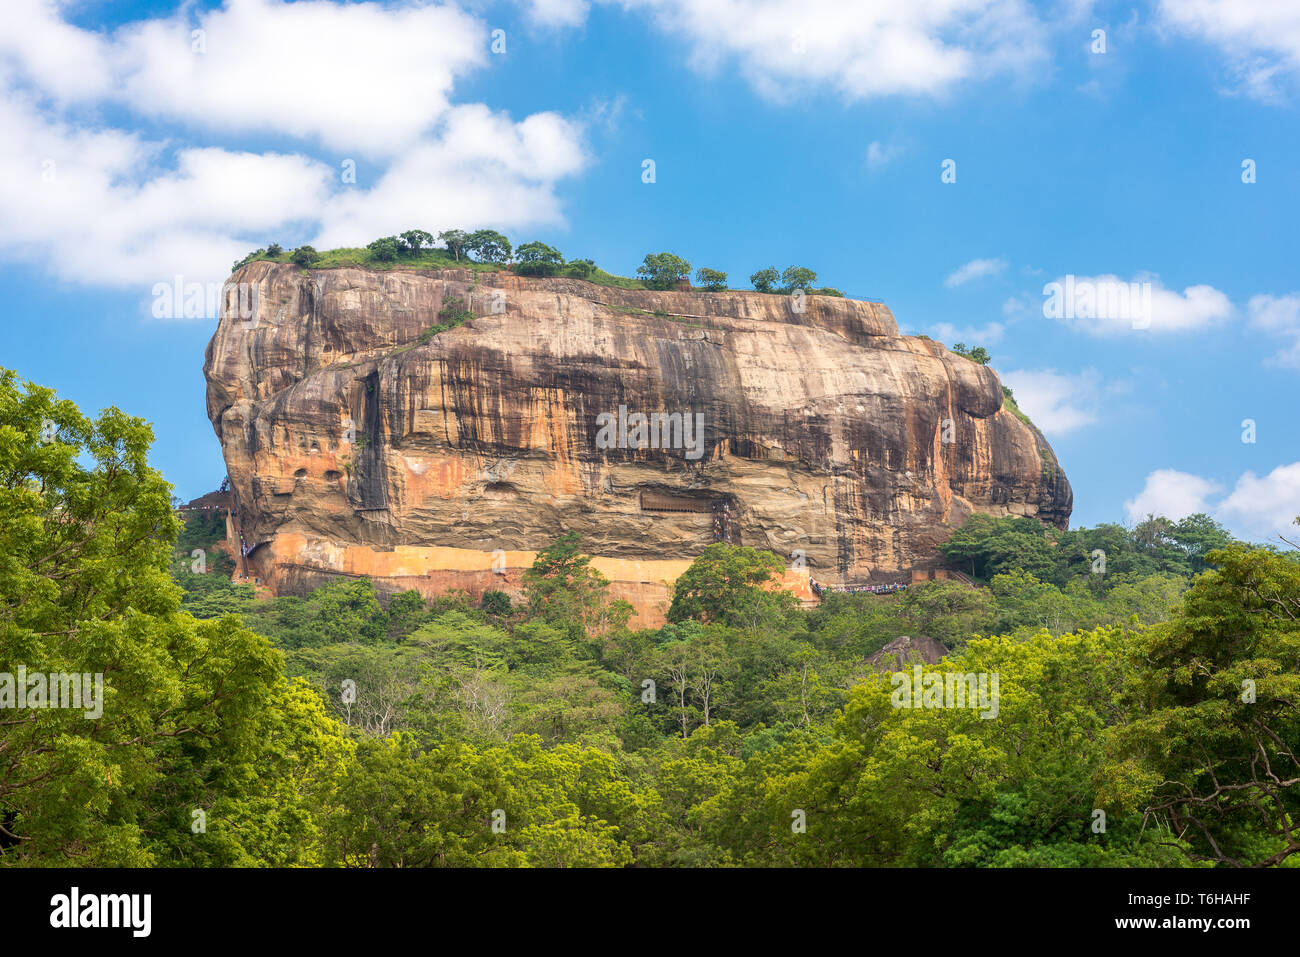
(356, 446)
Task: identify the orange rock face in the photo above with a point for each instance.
(357, 446)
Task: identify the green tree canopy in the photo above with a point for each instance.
(1212, 749)
(663, 270)
(580, 268)
(562, 587)
(538, 259)
(712, 279)
(726, 584)
(488, 246)
(304, 256)
(386, 249)
(978, 354)
(765, 280)
(414, 240)
(454, 241)
(195, 720)
(797, 277)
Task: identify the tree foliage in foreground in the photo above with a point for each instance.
(198, 720)
(1145, 713)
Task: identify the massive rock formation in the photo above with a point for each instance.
(356, 445)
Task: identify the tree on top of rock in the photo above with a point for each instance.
(538, 259)
(798, 277)
(978, 354)
(416, 239)
(304, 256)
(765, 280)
(488, 246)
(581, 268)
(386, 249)
(663, 270)
(711, 279)
(454, 240)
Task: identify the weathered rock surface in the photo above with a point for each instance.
(355, 448)
(904, 651)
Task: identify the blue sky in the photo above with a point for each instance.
(782, 132)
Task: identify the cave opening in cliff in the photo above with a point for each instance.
(659, 501)
(721, 507)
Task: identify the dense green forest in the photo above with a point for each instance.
(1148, 684)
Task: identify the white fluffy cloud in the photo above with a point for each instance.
(975, 269)
(1108, 305)
(1261, 38)
(1279, 316)
(359, 77)
(1257, 508)
(63, 61)
(94, 206)
(484, 168)
(557, 13)
(1172, 494)
(1263, 507)
(118, 204)
(1057, 402)
(861, 50)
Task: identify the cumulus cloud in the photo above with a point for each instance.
(93, 206)
(1171, 494)
(1263, 506)
(1258, 508)
(1107, 305)
(1260, 39)
(1279, 316)
(121, 203)
(557, 13)
(1057, 402)
(975, 269)
(65, 62)
(359, 77)
(484, 168)
(860, 50)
